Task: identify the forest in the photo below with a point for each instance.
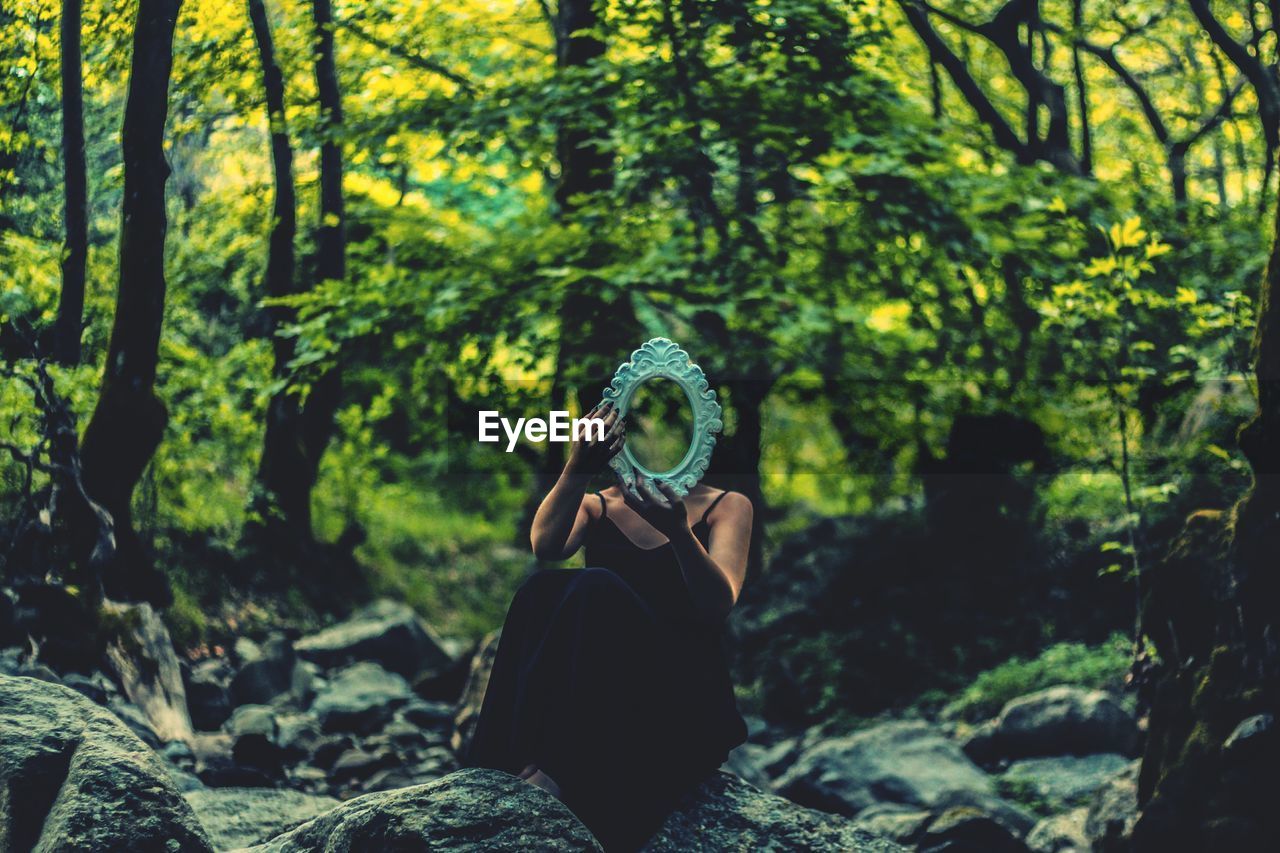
(985, 288)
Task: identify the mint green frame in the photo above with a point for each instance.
(662, 357)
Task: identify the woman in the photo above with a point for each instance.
(610, 688)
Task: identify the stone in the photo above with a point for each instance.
(252, 720)
(1062, 833)
(74, 778)
(900, 762)
(744, 762)
(139, 652)
(1113, 812)
(727, 814)
(1249, 733)
(902, 824)
(209, 693)
(267, 674)
(469, 811)
(1064, 720)
(95, 687)
(468, 714)
(1060, 782)
(386, 632)
(356, 764)
(241, 817)
(360, 698)
(967, 830)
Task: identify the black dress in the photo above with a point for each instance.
(606, 681)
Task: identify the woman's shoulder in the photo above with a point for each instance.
(727, 503)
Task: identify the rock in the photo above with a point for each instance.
(447, 684)
(1113, 812)
(140, 654)
(266, 674)
(1060, 782)
(966, 830)
(898, 823)
(1064, 720)
(471, 810)
(360, 698)
(252, 720)
(134, 719)
(727, 814)
(356, 764)
(96, 687)
(297, 734)
(900, 762)
(433, 764)
(743, 762)
(1016, 820)
(74, 778)
(1063, 833)
(256, 739)
(1248, 734)
(209, 693)
(241, 817)
(464, 722)
(981, 744)
(328, 749)
(386, 632)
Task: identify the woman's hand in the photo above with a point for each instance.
(657, 503)
(589, 455)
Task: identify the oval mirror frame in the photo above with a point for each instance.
(662, 357)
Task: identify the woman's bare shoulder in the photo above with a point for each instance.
(734, 505)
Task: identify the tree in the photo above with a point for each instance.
(594, 332)
(129, 419)
(76, 192)
(1247, 56)
(1017, 31)
(282, 451)
(299, 426)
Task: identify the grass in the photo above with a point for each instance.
(1100, 666)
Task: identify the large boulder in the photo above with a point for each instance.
(1060, 782)
(1063, 720)
(73, 777)
(901, 762)
(360, 698)
(471, 810)
(387, 632)
(727, 814)
(241, 817)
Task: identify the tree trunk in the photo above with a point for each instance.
(275, 503)
(298, 433)
(595, 335)
(67, 327)
(129, 420)
(1213, 611)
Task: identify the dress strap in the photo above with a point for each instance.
(712, 506)
(604, 509)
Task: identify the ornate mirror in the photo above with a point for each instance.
(673, 417)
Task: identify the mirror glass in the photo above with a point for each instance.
(659, 424)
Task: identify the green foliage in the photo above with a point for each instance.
(790, 199)
(1100, 666)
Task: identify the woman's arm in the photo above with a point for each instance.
(562, 518)
(714, 575)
